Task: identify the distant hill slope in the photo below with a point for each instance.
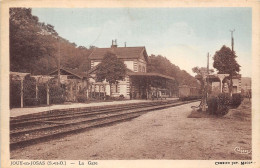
(162, 65)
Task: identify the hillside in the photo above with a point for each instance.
(36, 47)
(162, 65)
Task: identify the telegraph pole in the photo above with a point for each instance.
(231, 76)
(232, 39)
(59, 63)
(208, 64)
(207, 76)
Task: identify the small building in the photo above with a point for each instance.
(138, 83)
(220, 83)
(73, 81)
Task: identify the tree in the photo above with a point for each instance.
(91, 47)
(225, 62)
(202, 74)
(23, 39)
(35, 46)
(112, 69)
(30, 40)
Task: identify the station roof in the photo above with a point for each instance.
(145, 74)
(72, 72)
(121, 53)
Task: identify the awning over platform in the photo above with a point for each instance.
(18, 75)
(144, 74)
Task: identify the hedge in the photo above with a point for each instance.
(219, 105)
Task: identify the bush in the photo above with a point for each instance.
(82, 98)
(29, 88)
(223, 103)
(108, 97)
(57, 95)
(212, 105)
(42, 93)
(31, 102)
(219, 105)
(57, 100)
(121, 97)
(15, 94)
(117, 98)
(236, 100)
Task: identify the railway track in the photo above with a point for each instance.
(32, 129)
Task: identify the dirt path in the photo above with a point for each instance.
(163, 134)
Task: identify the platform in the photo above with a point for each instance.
(15, 112)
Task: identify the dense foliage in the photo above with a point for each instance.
(236, 100)
(57, 94)
(111, 69)
(219, 105)
(225, 62)
(35, 46)
(202, 73)
(212, 105)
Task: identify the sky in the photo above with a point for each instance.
(182, 35)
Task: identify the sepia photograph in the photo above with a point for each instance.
(130, 83)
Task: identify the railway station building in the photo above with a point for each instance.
(138, 83)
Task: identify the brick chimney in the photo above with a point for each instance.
(114, 44)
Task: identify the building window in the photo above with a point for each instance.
(117, 88)
(135, 66)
